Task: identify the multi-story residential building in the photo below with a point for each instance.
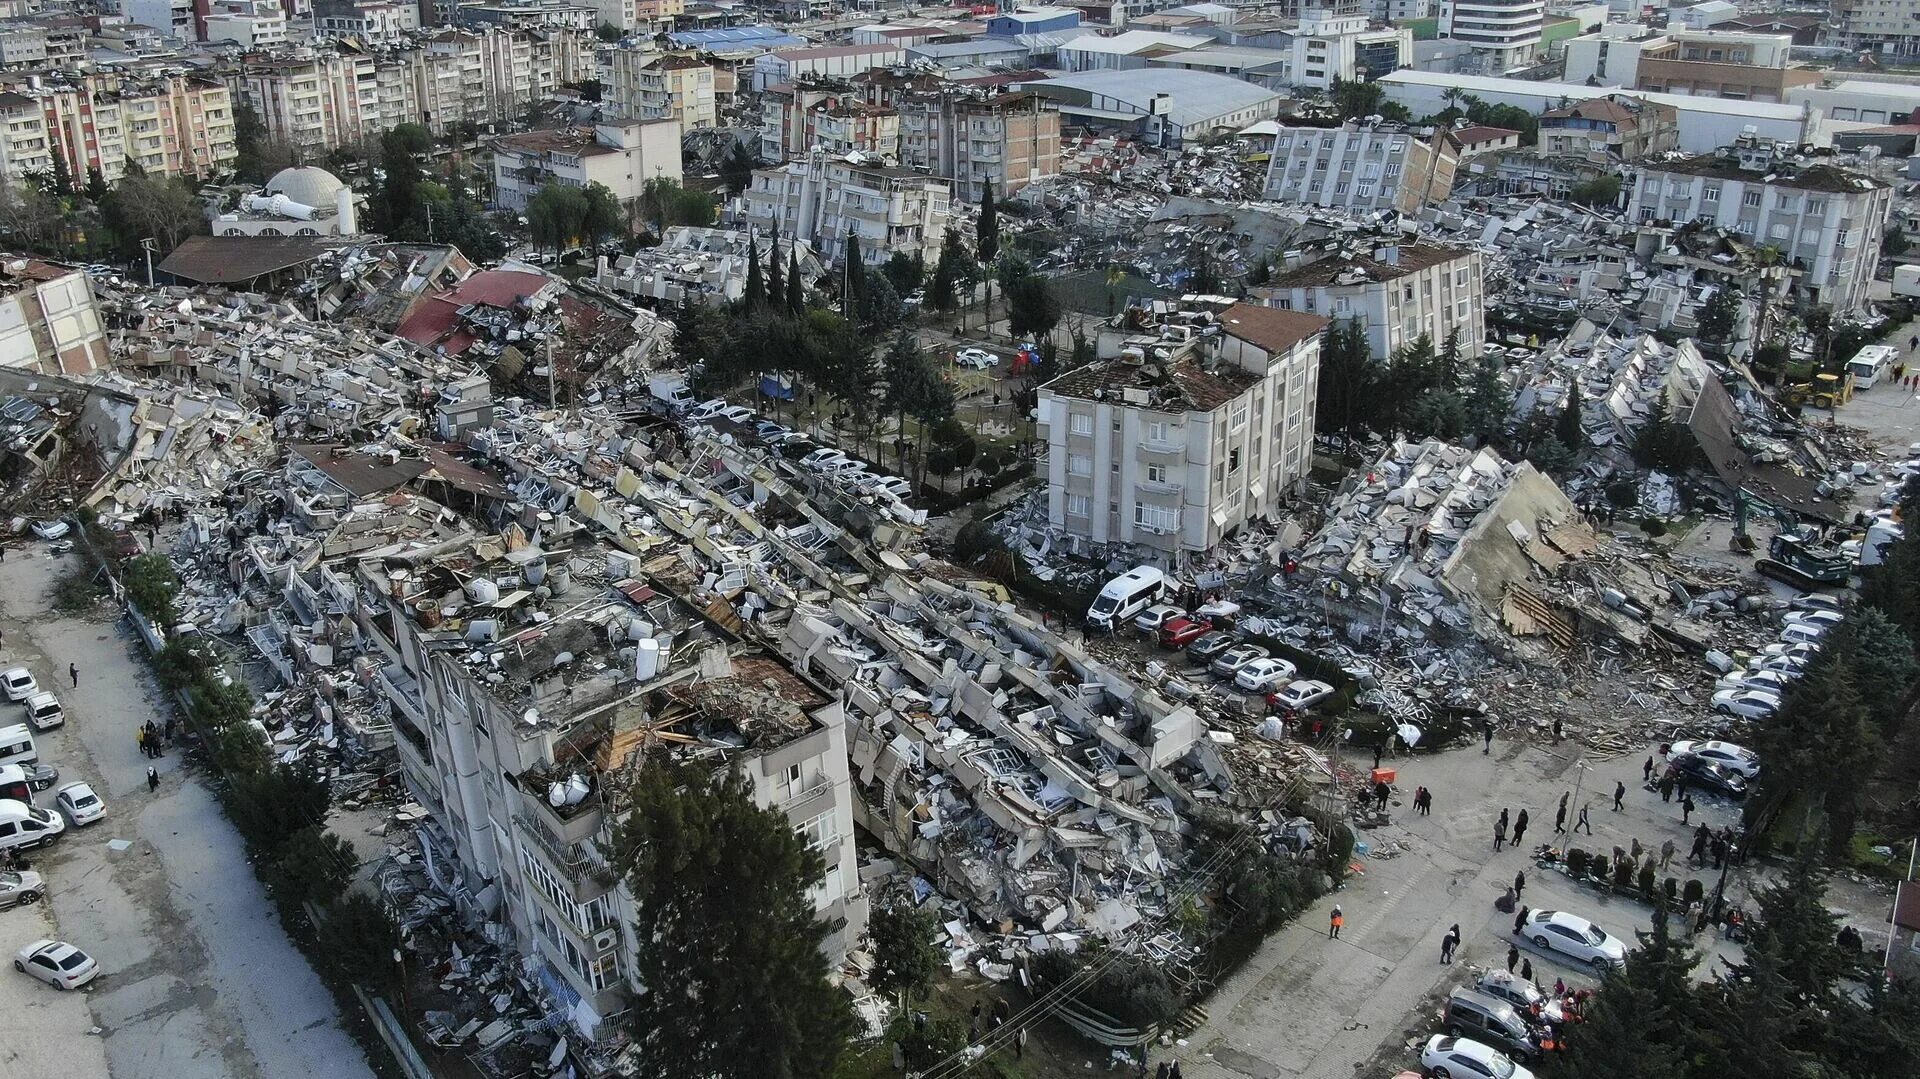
(25, 148)
(652, 86)
(1006, 140)
(1396, 291)
(1361, 167)
(1322, 49)
(1629, 128)
(175, 18)
(787, 111)
(787, 66)
(1504, 34)
(48, 320)
(252, 24)
(1703, 63)
(854, 126)
(173, 125)
(1886, 27)
(22, 45)
(621, 155)
(1176, 443)
(371, 21)
(658, 15)
(1825, 221)
(820, 199)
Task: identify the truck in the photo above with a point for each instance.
(670, 390)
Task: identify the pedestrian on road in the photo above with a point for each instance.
(1699, 852)
(1619, 792)
(1686, 808)
(1666, 785)
(153, 779)
(1519, 919)
(1646, 771)
(1666, 853)
(1513, 956)
(1334, 923)
(1520, 883)
(1500, 833)
(73, 672)
(1449, 943)
(1719, 849)
(1680, 784)
(1161, 1071)
(140, 736)
(1486, 733)
(1381, 792)
(1583, 822)
(1556, 730)
(1519, 827)
(1175, 1073)
(1637, 850)
(1526, 969)
(1560, 819)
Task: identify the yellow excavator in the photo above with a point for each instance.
(1824, 390)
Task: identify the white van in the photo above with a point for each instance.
(16, 745)
(44, 711)
(1799, 633)
(23, 825)
(1125, 596)
(1871, 364)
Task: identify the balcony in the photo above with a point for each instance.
(1161, 487)
(1162, 445)
(579, 864)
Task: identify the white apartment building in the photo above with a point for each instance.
(252, 24)
(1826, 222)
(22, 46)
(820, 199)
(25, 148)
(1176, 443)
(1362, 168)
(1505, 34)
(621, 155)
(656, 86)
(1889, 27)
(171, 17)
(372, 21)
(1397, 291)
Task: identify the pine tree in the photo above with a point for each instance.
(1567, 428)
(986, 232)
(796, 288)
(755, 296)
(853, 278)
(1488, 402)
(1639, 1025)
(776, 275)
(946, 274)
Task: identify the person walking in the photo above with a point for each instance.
(1619, 792)
(1719, 849)
(140, 736)
(1519, 919)
(153, 779)
(1519, 827)
(1583, 822)
(1646, 771)
(1686, 808)
(73, 672)
(1699, 853)
(1556, 730)
(1500, 832)
(1637, 850)
(1666, 785)
(1526, 970)
(1381, 792)
(1450, 943)
(1513, 956)
(1520, 882)
(1560, 818)
(1334, 923)
(1666, 853)
(1486, 733)
(1679, 784)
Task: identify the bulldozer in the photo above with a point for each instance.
(1825, 390)
(1794, 554)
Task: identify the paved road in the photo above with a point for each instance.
(199, 981)
(1312, 1007)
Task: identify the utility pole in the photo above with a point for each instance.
(147, 245)
(553, 394)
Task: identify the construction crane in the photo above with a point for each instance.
(1794, 554)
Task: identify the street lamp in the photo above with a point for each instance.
(147, 244)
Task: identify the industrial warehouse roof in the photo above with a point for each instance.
(735, 37)
(1193, 97)
(226, 260)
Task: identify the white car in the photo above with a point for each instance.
(1150, 620)
(80, 804)
(1815, 601)
(1800, 652)
(57, 963)
(891, 485)
(976, 358)
(706, 410)
(1747, 703)
(50, 530)
(44, 712)
(19, 684)
(1233, 660)
(1791, 667)
(1302, 693)
(1824, 619)
(1262, 675)
(823, 460)
(21, 889)
(1758, 678)
(736, 413)
(1579, 939)
(1734, 758)
(1802, 633)
(1464, 1058)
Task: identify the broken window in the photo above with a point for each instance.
(1233, 461)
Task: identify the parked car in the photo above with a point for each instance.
(1491, 1020)
(1800, 651)
(1264, 675)
(1210, 645)
(1791, 667)
(44, 712)
(20, 889)
(1734, 758)
(1701, 772)
(706, 410)
(736, 413)
(57, 963)
(1302, 693)
(18, 684)
(1815, 601)
(1150, 620)
(80, 804)
(1180, 632)
(1747, 703)
(1228, 663)
(821, 459)
(1446, 1057)
(1575, 937)
(50, 530)
(976, 358)
(767, 429)
(1802, 633)
(892, 486)
(1775, 682)
(1825, 619)
(1525, 997)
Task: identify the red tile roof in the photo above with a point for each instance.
(435, 320)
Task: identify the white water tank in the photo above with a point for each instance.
(576, 789)
(557, 795)
(481, 590)
(646, 661)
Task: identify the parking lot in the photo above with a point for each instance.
(197, 977)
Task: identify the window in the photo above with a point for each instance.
(819, 832)
(1233, 461)
(1751, 198)
(1711, 194)
(1156, 473)
(1239, 415)
(1340, 188)
(1080, 423)
(1079, 505)
(1816, 206)
(1161, 519)
(1157, 431)
(1079, 464)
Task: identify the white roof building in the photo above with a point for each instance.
(1091, 52)
(1166, 105)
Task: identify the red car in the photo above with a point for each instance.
(1180, 632)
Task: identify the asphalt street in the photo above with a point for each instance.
(198, 979)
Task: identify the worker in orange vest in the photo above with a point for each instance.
(1339, 919)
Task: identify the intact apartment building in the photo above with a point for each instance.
(1826, 222)
(621, 155)
(1888, 27)
(1362, 168)
(1396, 291)
(655, 86)
(1007, 140)
(1701, 63)
(25, 147)
(820, 199)
(1503, 34)
(251, 24)
(171, 125)
(1626, 128)
(1174, 444)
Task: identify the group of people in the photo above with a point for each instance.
(1500, 829)
(154, 738)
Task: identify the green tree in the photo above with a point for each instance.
(1599, 191)
(1436, 413)
(1032, 308)
(1488, 400)
(880, 305)
(97, 188)
(665, 203)
(399, 211)
(154, 588)
(904, 958)
(1642, 1023)
(1567, 428)
(904, 271)
(1884, 667)
(313, 865)
(1550, 455)
(755, 296)
(986, 230)
(1894, 242)
(776, 274)
(947, 273)
(359, 940)
(269, 806)
(1717, 316)
(608, 32)
(1661, 441)
(736, 169)
(600, 216)
(1347, 401)
(719, 888)
(796, 288)
(1354, 99)
(166, 210)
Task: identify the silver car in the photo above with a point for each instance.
(1575, 937)
(20, 889)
